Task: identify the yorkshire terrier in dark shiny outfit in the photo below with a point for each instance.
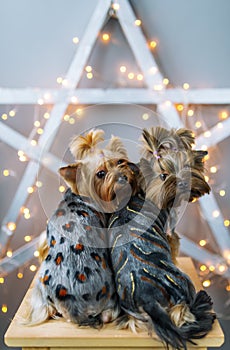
(154, 293)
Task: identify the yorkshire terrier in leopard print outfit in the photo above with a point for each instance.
(75, 279)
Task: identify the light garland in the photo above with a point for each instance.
(130, 76)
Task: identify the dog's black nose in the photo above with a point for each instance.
(182, 185)
(122, 179)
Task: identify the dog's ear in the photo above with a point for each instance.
(115, 145)
(150, 141)
(187, 137)
(70, 174)
(82, 145)
(198, 157)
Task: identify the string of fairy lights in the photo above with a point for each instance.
(129, 76)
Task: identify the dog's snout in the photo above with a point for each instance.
(182, 185)
(122, 179)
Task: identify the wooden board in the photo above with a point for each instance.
(58, 334)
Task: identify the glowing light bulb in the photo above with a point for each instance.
(40, 131)
(206, 178)
(36, 254)
(137, 22)
(11, 226)
(105, 37)
(168, 103)
(4, 116)
(20, 275)
(79, 111)
(2, 280)
(75, 40)
(89, 76)
(33, 142)
(227, 288)
(40, 101)
(145, 116)
(38, 184)
(27, 216)
(23, 158)
(12, 113)
(180, 107)
(64, 82)
(66, 117)
(203, 268)
(198, 124)
(212, 268)
(226, 223)
(207, 134)
(33, 268)
(215, 213)
(27, 238)
(165, 81)
(206, 283)
(4, 308)
(202, 242)
(59, 80)
(153, 44)
(213, 169)
(88, 69)
(139, 77)
(223, 115)
(222, 268)
(123, 69)
(20, 153)
(37, 123)
(222, 193)
(153, 70)
(30, 189)
(46, 115)
(25, 210)
(115, 6)
(220, 125)
(190, 112)
(61, 189)
(74, 99)
(72, 121)
(185, 86)
(6, 172)
(131, 75)
(9, 253)
(47, 96)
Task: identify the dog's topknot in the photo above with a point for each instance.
(82, 145)
(187, 137)
(158, 139)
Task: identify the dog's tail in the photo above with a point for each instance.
(82, 145)
(183, 323)
(38, 309)
(201, 311)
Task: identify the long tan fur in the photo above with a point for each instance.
(82, 145)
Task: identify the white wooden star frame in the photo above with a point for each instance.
(69, 93)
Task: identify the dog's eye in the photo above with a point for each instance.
(120, 161)
(187, 166)
(163, 176)
(101, 174)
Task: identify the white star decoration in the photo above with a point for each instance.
(155, 93)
